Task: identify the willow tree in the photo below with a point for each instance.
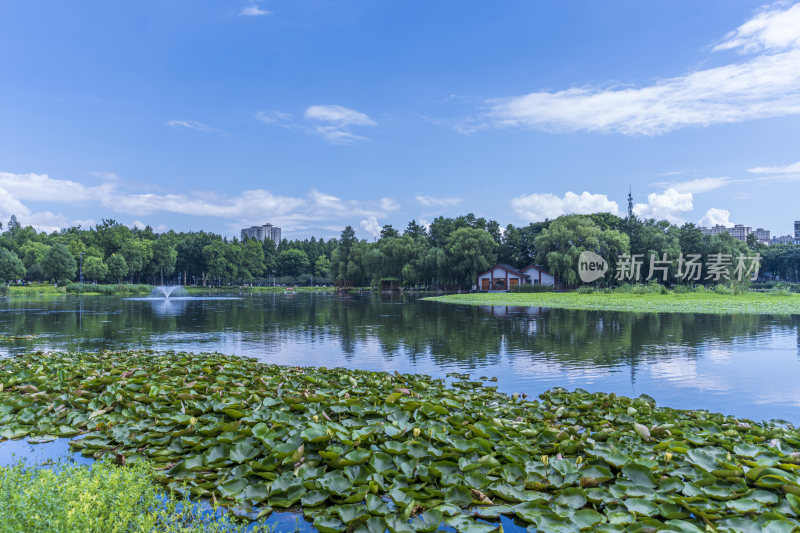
(560, 245)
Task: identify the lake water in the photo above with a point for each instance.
(744, 365)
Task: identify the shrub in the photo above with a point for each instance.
(108, 290)
(100, 498)
(586, 289)
(723, 289)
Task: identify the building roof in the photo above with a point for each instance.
(508, 268)
(521, 272)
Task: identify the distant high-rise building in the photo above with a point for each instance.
(783, 239)
(739, 231)
(762, 235)
(797, 229)
(262, 233)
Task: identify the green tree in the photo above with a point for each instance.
(133, 252)
(117, 267)
(33, 253)
(559, 246)
(218, 258)
(59, 264)
(293, 262)
(252, 259)
(164, 257)
(94, 269)
(322, 266)
(469, 252)
(11, 266)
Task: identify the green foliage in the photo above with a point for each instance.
(293, 262)
(59, 264)
(108, 290)
(559, 246)
(438, 257)
(469, 251)
(375, 450)
(650, 298)
(104, 498)
(95, 269)
(117, 267)
(11, 266)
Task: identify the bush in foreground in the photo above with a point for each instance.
(101, 498)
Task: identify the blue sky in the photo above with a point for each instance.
(314, 115)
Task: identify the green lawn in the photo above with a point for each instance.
(704, 302)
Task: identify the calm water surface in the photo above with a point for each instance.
(748, 366)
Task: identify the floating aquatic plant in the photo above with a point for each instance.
(749, 303)
(367, 451)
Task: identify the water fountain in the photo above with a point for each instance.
(165, 291)
(171, 300)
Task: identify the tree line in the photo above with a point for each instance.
(448, 253)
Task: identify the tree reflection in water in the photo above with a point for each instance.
(530, 349)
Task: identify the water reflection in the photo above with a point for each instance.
(743, 364)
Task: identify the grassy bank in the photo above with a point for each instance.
(691, 302)
(367, 451)
(48, 290)
(281, 290)
(34, 290)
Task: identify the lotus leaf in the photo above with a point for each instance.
(375, 451)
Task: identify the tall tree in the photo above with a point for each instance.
(559, 246)
(59, 264)
(293, 262)
(94, 268)
(469, 252)
(11, 266)
(164, 257)
(117, 267)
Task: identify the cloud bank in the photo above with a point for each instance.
(294, 213)
(764, 84)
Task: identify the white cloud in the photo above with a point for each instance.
(254, 10)
(337, 136)
(667, 205)
(340, 115)
(697, 185)
(294, 213)
(777, 173)
(40, 187)
(40, 220)
(766, 85)
(432, 201)
(535, 207)
(388, 204)
(794, 168)
(333, 122)
(770, 29)
(276, 117)
(717, 217)
(371, 226)
(191, 125)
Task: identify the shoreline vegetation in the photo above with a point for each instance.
(704, 302)
(68, 498)
(448, 254)
(365, 451)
